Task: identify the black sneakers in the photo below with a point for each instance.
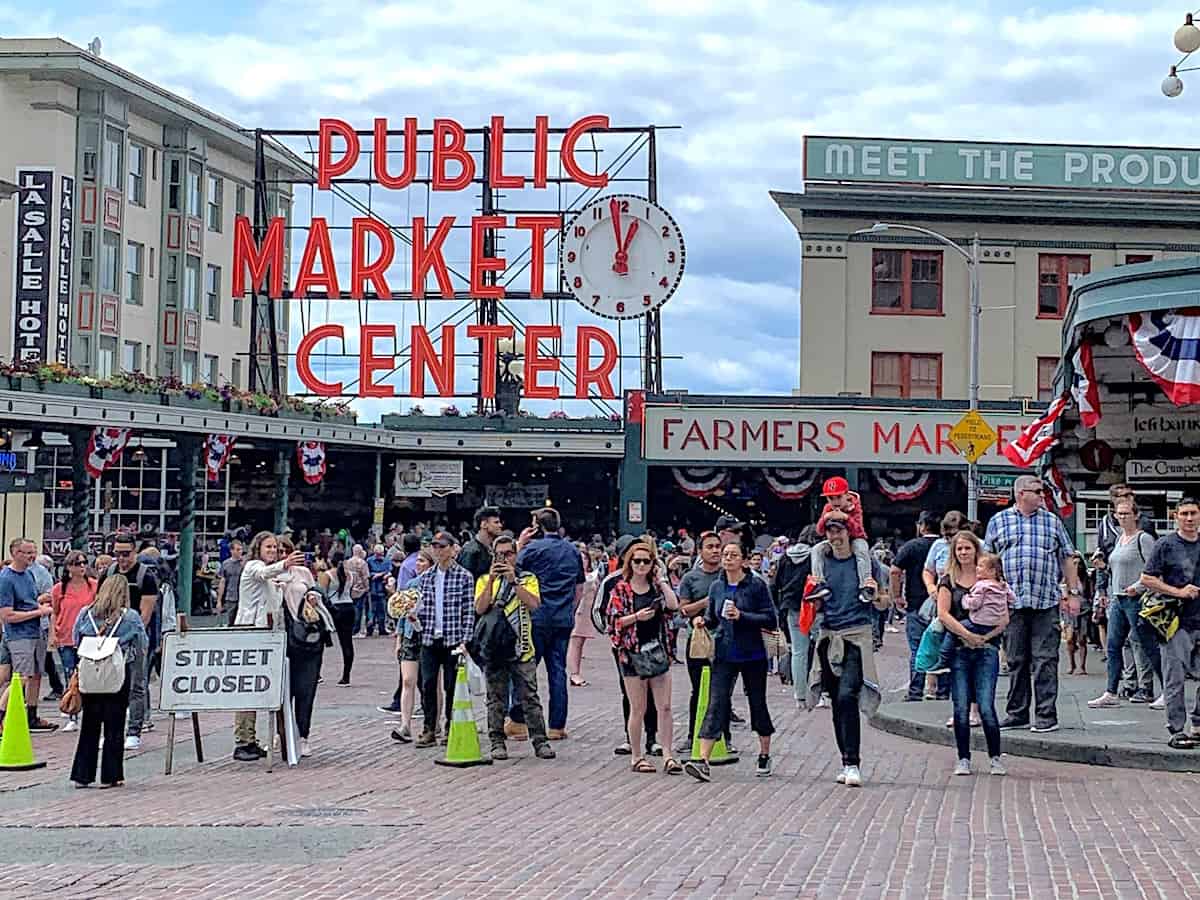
(763, 768)
(248, 753)
(698, 769)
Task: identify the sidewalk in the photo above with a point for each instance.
(1129, 736)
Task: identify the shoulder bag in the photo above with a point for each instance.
(649, 660)
(701, 646)
(101, 661)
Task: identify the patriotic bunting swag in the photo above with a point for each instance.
(1060, 494)
(1037, 438)
(104, 449)
(790, 484)
(311, 457)
(1084, 388)
(1167, 344)
(699, 481)
(899, 485)
(216, 454)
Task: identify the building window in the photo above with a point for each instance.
(114, 158)
(188, 372)
(1056, 273)
(131, 356)
(235, 377)
(110, 262)
(239, 200)
(910, 376)
(107, 357)
(1132, 258)
(171, 268)
(137, 174)
(134, 254)
(212, 370)
(1047, 366)
(151, 272)
(193, 189)
(237, 312)
(907, 282)
(191, 285)
(212, 293)
(216, 203)
(87, 256)
(174, 184)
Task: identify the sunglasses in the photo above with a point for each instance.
(123, 552)
(76, 562)
(642, 561)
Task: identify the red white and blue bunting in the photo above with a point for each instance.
(1084, 388)
(899, 485)
(790, 484)
(1167, 344)
(699, 481)
(1059, 499)
(1037, 437)
(310, 456)
(104, 448)
(217, 449)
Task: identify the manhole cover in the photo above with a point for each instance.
(325, 812)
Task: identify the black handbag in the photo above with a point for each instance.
(649, 660)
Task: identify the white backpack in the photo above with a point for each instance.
(101, 662)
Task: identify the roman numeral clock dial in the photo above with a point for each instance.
(622, 256)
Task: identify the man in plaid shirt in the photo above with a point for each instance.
(1033, 545)
(446, 615)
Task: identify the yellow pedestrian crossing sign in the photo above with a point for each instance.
(972, 436)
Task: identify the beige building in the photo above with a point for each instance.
(126, 197)
(886, 314)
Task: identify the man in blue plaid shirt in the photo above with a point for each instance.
(1033, 545)
(446, 613)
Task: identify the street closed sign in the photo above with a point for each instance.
(223, 669)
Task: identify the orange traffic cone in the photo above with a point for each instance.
(720, 755)
(462, 747)
(16, 747)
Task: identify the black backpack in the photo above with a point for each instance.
(493, 642)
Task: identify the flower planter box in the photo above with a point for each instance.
(68, 389)
(198, 403)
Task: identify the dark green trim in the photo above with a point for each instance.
(998, 242)
(990, 206)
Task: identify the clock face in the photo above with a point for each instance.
(622, 256)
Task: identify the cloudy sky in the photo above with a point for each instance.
(745, 80)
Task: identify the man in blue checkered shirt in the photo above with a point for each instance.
(1033, 545)
(446, 616)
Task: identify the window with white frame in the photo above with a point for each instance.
(212, 370)
(137, 174)
(191, 284)
(216, 202)
(110, 262)
(114, 158)
(212, 293)
(131, 356)
(187, 371)
(134, 256)
(193, 188)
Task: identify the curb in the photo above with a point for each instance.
(1017, 743)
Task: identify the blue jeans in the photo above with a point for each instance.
(801, 647)
(378, 614)
(914, 628)
(70, 659)
(1124, 624)
(550, 644)
(973, 676)
(360, 610)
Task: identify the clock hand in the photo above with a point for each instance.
(621, 259)
(614, 209)
(633, 227)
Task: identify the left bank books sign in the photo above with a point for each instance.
(223, 669)
(36, 226)
(782, 435)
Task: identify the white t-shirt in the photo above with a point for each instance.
(439, 600)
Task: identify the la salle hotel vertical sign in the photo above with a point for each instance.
(31, 278)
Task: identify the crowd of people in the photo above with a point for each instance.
(812, 607)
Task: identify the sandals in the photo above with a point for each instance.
(1182, 741)
(579, 682)
(642, 766)
(672, 767)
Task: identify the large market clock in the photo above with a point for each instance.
(622, 256)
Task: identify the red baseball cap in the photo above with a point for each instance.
(835, 485)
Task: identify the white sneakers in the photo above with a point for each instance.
(70, 725)
(962, 767)
(1105, 701)
(1159, 703)
(305, 750)
(997, 767)
(850, 776)
(133, 742)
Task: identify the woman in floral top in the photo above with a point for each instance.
(637, 614)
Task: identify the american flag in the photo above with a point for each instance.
(1038, 437)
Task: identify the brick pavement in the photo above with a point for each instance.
(365, 817)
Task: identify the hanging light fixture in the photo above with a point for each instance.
(34, 441)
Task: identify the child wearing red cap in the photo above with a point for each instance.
(845, 505)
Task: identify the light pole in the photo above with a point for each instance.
(1187, 42)
(972, 259)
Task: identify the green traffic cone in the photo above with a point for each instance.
(720, 755)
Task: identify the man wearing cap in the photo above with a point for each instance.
(910, 592)
(844, 659)
(846, 505)
(446, 616)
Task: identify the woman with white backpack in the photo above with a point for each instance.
(107, 634)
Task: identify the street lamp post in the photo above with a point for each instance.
(1187, 42)
(972, 258)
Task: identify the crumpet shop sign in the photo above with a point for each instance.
(979, 164)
